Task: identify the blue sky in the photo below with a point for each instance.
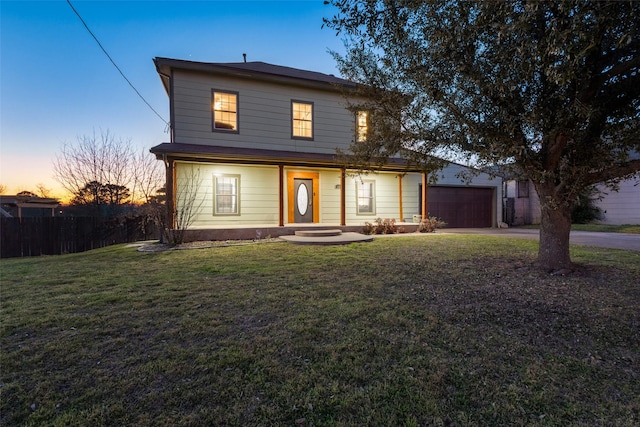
(56, 84)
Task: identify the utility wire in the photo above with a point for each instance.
(116, 65)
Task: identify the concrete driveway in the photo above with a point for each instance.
(606, 240)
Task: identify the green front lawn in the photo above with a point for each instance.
(425, 330)
(603, 228)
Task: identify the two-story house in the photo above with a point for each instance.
(253, 148)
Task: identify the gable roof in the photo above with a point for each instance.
(256, 70)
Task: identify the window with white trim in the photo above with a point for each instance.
(302, 119)
(226, 194)
(225, 111)
(366, 197)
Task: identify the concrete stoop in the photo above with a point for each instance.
(325, 237)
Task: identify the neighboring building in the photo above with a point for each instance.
(253, 146)
(522, 205)
(622, 206)
(28, 206)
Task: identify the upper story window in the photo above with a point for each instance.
(366, 196)
(362, 122)
(302, 119)
(225, 111)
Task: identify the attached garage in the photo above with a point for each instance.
(461, 207)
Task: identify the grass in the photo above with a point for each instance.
(633, 229)
(603, 228)
(427, 330)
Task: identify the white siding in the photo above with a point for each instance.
(623, 206)
(387, 200)
(264, 114)
(258, 194)
(330, 197)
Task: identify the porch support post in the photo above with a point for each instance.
(400, 176)
(425, 195)
(281, 195)
(171, 193)
(343, 216)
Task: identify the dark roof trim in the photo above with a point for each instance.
(196, 152)
(257, 71)
(32, 201)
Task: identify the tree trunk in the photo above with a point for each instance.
(555, 226)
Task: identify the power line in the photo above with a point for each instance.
(116, 65)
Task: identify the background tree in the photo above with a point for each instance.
(3, 188)
(26, 193)
(43, 191)
(103, 171)
(93, 161)
(148, 177)
(99, 199)
(550, 89)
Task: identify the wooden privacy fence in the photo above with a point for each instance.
(20, 237)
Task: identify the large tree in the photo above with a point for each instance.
(549, 89)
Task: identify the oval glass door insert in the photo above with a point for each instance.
(303, 199)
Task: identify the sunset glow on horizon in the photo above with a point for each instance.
(58, 85)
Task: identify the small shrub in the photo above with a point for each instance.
(380, 226)
(368, 228)
(430, 224)
(585, 209)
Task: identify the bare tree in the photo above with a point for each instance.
(43, 191)
(188, 202)
(101, 158)
(149, 190)
(3, 188)
(148, 176)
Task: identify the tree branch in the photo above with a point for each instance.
(624, 170)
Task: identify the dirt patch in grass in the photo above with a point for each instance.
(203, 244)
(450, 330)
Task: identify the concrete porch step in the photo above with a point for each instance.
(318, 233)
(336, 239)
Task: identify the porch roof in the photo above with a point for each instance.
(204, 153)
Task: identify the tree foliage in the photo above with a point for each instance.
(26, 193)
(548, 89)
(102, 199)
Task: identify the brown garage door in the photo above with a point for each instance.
(461, 207)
